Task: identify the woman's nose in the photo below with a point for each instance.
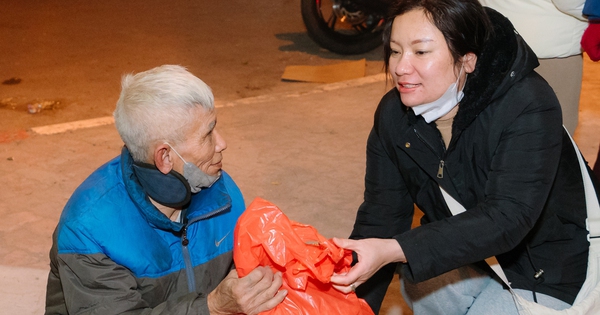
(403, 66)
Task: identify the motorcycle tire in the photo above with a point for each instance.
(352, 38)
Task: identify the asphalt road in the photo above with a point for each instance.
(304, 153)
(71, 55)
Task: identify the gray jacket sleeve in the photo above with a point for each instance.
(94, 284)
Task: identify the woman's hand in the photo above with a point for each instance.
(257, 292)
(373, 253)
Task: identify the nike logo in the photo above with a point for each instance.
(218, 243)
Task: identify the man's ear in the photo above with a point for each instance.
(469, 61)
(162, 158)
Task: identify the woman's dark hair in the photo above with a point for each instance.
(464, 24)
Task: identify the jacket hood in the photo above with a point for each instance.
(505, 59)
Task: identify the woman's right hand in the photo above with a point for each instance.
(373, 254)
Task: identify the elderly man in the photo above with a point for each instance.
(151, 231)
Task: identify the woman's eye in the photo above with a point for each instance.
(421, 52)
(395, 52)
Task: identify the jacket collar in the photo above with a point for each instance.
(204, 204)
(505, 59)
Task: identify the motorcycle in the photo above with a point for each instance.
(345, 27)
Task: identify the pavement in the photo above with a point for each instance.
(305, 152)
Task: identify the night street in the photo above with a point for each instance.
(299, 145)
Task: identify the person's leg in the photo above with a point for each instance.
(451, 293)
(467, 290)
(564, 76)
(495, 299)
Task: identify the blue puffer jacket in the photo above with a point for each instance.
(114, 252)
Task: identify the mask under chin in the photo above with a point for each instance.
(171, 189)
(197, 179)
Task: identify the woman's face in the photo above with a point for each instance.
(420, 63)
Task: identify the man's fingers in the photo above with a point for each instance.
(274, 286)
(277, 298)
(274, 301)
(265, 282)
(261, 277)
(267, 293)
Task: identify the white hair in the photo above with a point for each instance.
(158, 105)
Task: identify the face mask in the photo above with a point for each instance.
(443, 105)
(171, 189)
(195, 176)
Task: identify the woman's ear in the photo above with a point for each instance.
(162, 158)
(469, 60)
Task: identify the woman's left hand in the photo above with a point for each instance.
(373, 253)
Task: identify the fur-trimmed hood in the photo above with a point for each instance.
(505, 59)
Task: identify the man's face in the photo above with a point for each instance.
(203, 145)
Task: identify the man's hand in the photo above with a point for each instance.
(257, 292)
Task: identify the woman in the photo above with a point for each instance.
(468, 114)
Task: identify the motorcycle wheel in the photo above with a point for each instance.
(341, 26)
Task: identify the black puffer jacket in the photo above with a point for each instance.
(509, 163)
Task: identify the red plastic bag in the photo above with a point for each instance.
(264, 236)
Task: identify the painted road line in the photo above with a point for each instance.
(96, 122)
(74, 125)
(320, 89)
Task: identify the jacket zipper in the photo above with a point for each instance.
(189, 269)
(440, 173)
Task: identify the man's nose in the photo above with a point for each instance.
(220, 142)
